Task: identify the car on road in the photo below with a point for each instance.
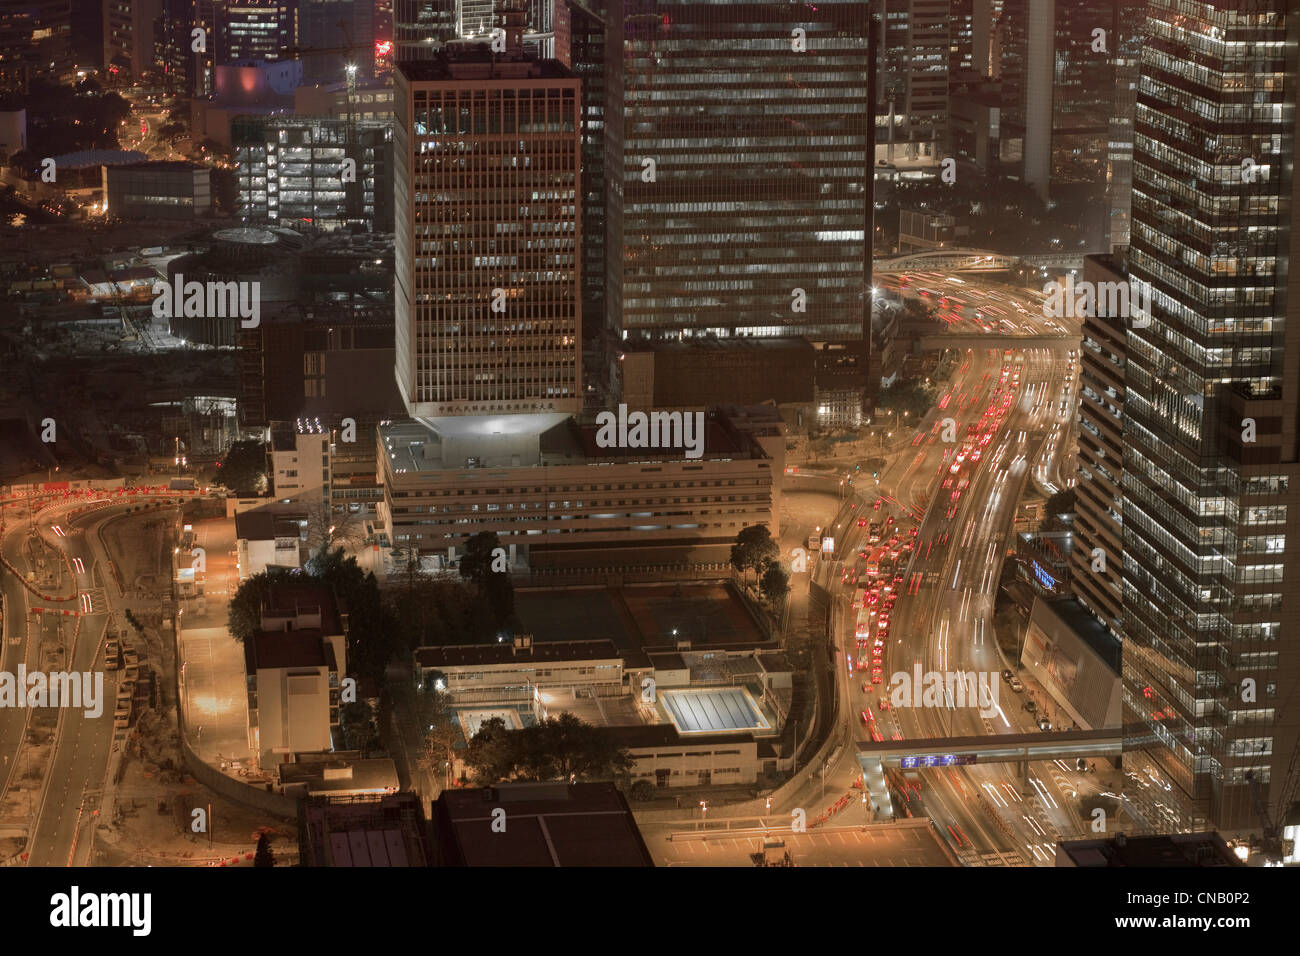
(866, 716)
(1006, 675)
(1017, 685)
(884, 703)
(877, 679)
(1030, 707)
(1044, 724)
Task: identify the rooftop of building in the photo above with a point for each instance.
(264, 525)
(163, 166)
(550, 824)
(284, 437)
(649, 624)
(415, 447)
(1081, 621)
(475, 655)
(364, 831)
(301, 647)
(643, 736)
(474, 60)
(375, 774)
(1168, 850)
(302, 596)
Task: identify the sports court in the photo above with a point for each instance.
(638, 616)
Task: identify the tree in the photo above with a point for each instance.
(439, 729)
(329, 530)
(486, 565)
(754, 549)
(440, 610)
(907, 396)
(491, 753)
(357, 723)
(264, 856)
(643, 790)
(582, 750)
(244, 613)
(243, 470)
(775, 583)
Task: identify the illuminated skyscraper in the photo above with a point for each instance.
(257, 29)
(488, 233)
(738, 159)
(1211, 443)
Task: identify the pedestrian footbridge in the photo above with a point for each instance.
(1022, 749)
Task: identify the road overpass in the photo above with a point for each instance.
(970, 260)
(996, 340)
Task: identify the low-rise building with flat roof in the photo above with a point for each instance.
(339, 775)
(158, 190)
(1166, 850)
(294, 665)
(566, 502)
(336, 830)
(268, 538)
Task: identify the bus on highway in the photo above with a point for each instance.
(863, 629)
(873, 562)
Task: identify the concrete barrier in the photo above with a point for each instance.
(249, 795)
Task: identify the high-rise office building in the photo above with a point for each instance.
(475, 18)
(420, 27)
(1058, 89)
(579, 28)
(1099, 508)
(343, 28)
(738, 158)
(257, 29)
(488, 233)
(291, 170)
(960, 36)
(129, 37)
(913, 59)
(488, 247)
(1211, 463)
(1130, 26)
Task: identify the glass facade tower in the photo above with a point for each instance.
(738, 154)
(1210, 427)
